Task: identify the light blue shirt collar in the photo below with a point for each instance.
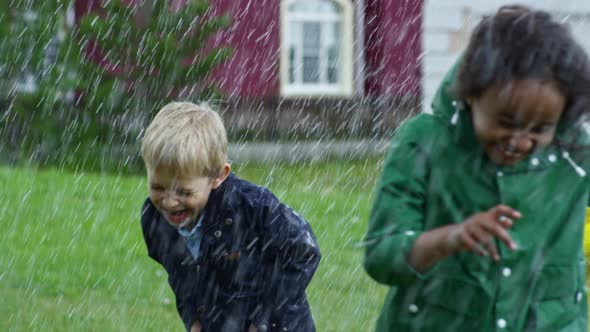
(186, 233)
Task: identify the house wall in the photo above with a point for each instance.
(250, 78)
(393, 47)
(392, 37)
(448, 23)
(390, 70)
(391, 52)
(254, 35)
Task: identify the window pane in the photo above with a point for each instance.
(311, 52)
(332, 44)
(311, 72)
(311, 38)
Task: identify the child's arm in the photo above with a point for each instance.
(398, 248)
(397, 215)
(476, 234)
(291, 257)
(153, 236)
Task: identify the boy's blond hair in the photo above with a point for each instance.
(186, 137)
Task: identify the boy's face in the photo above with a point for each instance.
(511, 121)
(181, 199)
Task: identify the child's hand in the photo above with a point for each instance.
(477, 232)
(252, 328)
(196, 327)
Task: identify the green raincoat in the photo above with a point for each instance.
(437, 173)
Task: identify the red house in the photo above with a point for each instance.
(348, 64)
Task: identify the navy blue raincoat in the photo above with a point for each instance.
(257, 257)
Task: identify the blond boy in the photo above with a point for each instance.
(237, 258)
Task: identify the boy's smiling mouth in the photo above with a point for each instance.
(176, 217)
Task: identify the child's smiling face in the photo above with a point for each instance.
(180, 199)
(511, 121)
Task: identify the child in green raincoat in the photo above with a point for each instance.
(478, 218)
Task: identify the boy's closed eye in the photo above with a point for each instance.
(185, 193)
(156, 187)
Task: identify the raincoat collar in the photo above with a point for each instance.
(221, 203)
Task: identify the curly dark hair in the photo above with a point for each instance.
(518, 43)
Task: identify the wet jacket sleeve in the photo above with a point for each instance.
(397, 215)
(187, 313)
(149, 229)
(152, 237)
(291, 256)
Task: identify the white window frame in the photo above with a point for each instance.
(344, 86)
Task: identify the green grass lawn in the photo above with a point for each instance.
(72, 256)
